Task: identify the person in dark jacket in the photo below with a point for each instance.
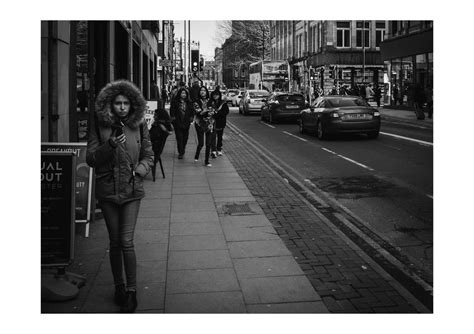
(181, 112)
(222, 110)
(119, 149)
(377, 95)
(159, 132)
(204, 124)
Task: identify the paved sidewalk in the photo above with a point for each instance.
(404, 115)
(203, 245)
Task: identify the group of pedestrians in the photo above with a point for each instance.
(122, 151)
(208, 112)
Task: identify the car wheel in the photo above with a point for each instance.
(373, 135)
(301, 126)
(246, 112)
(240, 109)
(320, 131)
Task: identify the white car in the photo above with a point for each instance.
(236, 98)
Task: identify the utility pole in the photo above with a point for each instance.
(263, 55)
(363, 52)
(189, 47)
(184, 51)
(163, 67)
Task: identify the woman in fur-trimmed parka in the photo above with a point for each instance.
(120, 150)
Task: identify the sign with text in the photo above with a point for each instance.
(84, 177)
(58, 170)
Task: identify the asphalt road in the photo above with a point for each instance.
(386, 183)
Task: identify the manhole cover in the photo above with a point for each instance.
(235, 209)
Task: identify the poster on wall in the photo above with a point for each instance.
(85, 203)
(57, 208)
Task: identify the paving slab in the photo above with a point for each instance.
(210, 302)
(244, 221)
(149, 272)
(284, 289)
(261, 248)
(267, 267)
(186, 190)
(197, 242)
(195, 228)
(150, 236)
(194, 217)
(304, 307)
(205, 259)
(151, 297)
(152, 252)
(205, 280)
(239, 233)
(153, 223)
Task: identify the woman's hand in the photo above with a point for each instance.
(119, 140)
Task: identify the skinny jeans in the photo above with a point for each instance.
(200, 136)
(121, 221)
(182, 135)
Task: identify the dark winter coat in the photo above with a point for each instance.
(119, 169)
(159, 131)
(181, 120)
(204, 120)
(222, 110)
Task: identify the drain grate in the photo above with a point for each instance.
(235, 209)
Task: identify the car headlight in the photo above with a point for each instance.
(376, 113)
(334, 115)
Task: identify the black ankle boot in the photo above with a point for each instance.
(120, 294)
(131, 302)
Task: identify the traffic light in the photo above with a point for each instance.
(201, 64)
(195, 61)
(311, 74)
(331, 72)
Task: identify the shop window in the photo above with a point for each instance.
(363, 34)
(379, 33)
(343, 34)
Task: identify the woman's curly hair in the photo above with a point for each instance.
(105, 99)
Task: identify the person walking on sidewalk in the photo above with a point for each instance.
(222, 110)
(159, 132)
(181, 112)
(204, 124)
(120, 150)
(377, 95)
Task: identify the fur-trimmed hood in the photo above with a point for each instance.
(103, 103)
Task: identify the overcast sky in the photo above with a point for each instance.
(202, 31)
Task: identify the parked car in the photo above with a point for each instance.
(335, 114)
(252, 100)
(230, 95)
(236, 98)
(282, 105)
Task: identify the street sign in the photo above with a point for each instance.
(84, 205)
(166, 62)
(57, 207)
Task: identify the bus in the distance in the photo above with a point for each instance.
(275, 75)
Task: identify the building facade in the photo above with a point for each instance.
(78, 58)
(407, 53)
(345, 52)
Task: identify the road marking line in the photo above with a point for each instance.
(325, 149)
(406, 138)
(270, 126)
(290, 134)
(355, 162)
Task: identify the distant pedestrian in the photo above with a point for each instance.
(369, 92)
(222, 110)
(429, 100)
(204, 124)
(395, 95)
(377, 95)
(362, 92)
(419, 99)
(173, 92)
(120, 150)
(159, 132)
(181, 112)
(194, 91)
(164, 95)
